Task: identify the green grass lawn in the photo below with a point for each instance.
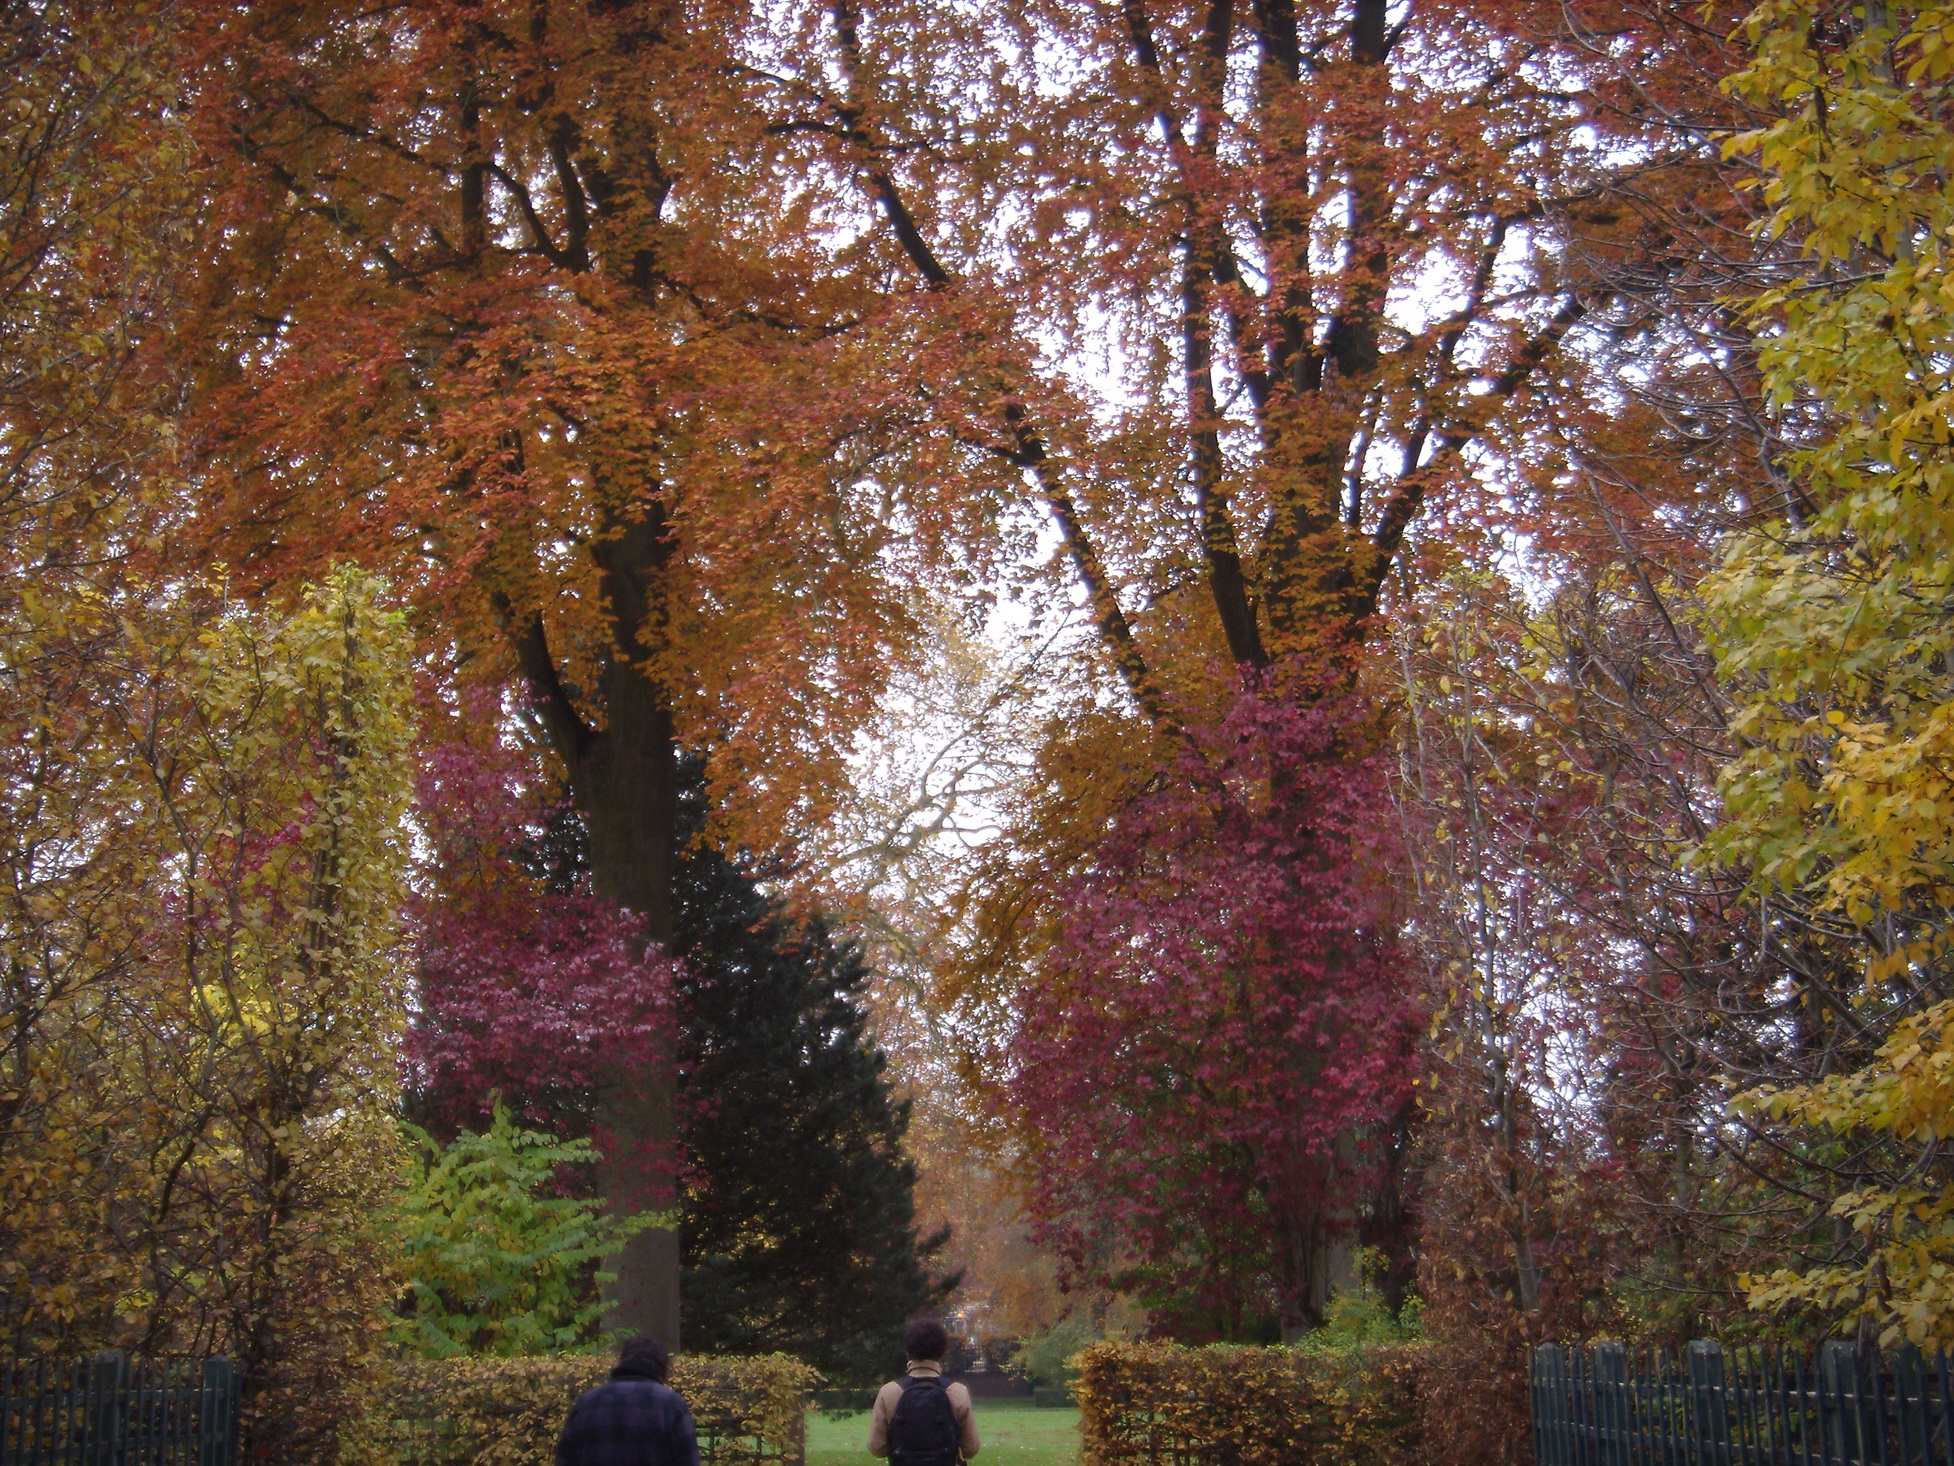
(1014, 1433)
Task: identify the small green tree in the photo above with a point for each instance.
(497, 1261)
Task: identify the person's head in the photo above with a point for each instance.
(642, 1357)
(925, 1339)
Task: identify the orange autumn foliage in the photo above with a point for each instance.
(540, 308)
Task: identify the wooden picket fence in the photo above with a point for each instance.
(112, 1411)
(1610, 1406)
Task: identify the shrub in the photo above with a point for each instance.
(1361, 1316)
(1044, 1361)
(495, 1263)
(507, 1412)
(1226, 1405)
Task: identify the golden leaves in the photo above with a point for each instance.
(507, 1412)
(205, 988)
(1147, 1403)
(1835, 628)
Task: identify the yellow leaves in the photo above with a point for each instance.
(1850, 609)
(211, 1061)
(1905, 1283)
(1836, 634)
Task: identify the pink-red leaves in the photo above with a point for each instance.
(1221, 1034)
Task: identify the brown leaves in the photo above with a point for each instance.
(507, 1412)
(1151, 1404)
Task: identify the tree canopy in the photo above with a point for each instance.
(1300, 626)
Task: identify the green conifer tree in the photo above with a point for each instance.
(798, 1218)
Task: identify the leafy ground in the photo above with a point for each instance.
(1014, 1433)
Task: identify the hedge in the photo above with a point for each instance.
(1164, 1405)
(507, 1412)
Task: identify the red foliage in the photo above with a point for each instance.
(1222, 1036)
(528, 989)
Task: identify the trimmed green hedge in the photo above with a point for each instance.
(1164, 1405)
(507, 1412)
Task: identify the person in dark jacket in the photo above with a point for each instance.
(633, 1419)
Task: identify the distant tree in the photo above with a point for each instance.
(799, 1226)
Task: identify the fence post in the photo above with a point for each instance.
(217, 1422)
(1838, 1383)
(1706, 1379)
(1568, 1393)
(1611, 1403)
(1910, 1402)
(104, 1404)
(1574, 1403)
(1546, 1405)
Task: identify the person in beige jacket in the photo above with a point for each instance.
(926, 1343)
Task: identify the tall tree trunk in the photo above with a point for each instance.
(627, 789)
(624, 778)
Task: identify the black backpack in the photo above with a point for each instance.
(923, 1431)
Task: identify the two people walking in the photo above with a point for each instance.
(636, 1419)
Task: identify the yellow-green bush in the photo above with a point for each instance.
(507, 1412)
(1164, 1405)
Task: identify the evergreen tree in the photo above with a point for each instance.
(799, 1223)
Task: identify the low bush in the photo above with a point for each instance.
(1044, 1360)
(508, 1412)
(837, 1404)
(1226, 1405)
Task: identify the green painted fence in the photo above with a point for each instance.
(1605, 1405)
(113, 1411)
